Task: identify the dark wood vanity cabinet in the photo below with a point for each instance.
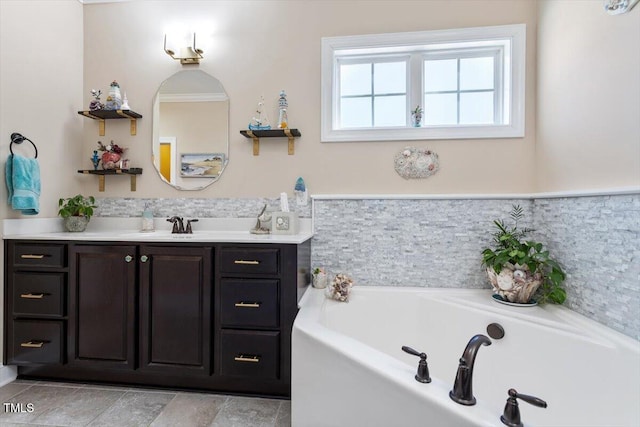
(208, 316)
(35, 303)
(102, 295)
(255, 310)
(175, 309)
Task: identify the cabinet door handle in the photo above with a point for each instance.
(128, 258)
(32, 344)
(247, 358)
(144, 258)
(244, 262)
(31, 256)
(32, 296)
(247, 304)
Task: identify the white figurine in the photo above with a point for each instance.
(125, 103)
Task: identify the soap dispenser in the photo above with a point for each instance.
(147, 219)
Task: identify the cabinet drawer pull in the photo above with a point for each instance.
(247, 304)
(32, 344)
(31, 256)
(144, 258)
(32, 296)
(128, 258)
(247, 358)
(245, 262)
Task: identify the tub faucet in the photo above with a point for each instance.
(462, 392)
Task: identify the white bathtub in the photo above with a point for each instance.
(348, 368)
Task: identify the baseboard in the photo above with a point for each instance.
(7, 374)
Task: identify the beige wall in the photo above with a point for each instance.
(260, 47)
(588, 97)
(584, 133)
(40, 88)
(40, 92)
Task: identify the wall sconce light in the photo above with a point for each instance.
(616, 7)
(188, 54)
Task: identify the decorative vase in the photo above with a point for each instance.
(76, 223)
(110, 160)
(320, 280)
(416, 120)
(515, 283)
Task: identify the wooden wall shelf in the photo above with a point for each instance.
(255, 135)
(102, 115)
(104, 172)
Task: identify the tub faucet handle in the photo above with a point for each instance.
(423, 369)
(511, 415)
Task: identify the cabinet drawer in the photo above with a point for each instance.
(38, 294)
(249, 260)
(37, 341)
(38, 255)
(250, 354)
(249, 303)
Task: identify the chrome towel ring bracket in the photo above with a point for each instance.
(17, 138)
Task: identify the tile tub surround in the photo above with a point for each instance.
(437, 242)
(71, 404)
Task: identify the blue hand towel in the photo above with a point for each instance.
(23, 183)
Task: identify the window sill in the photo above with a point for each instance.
(435, 132)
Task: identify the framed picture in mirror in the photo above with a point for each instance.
(201, 165)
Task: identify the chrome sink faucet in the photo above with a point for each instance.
(462, 392)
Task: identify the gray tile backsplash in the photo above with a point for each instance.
(437, 242)
(195, 208)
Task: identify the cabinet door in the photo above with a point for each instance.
(175, 309)
(102, 298)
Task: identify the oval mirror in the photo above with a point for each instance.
(190, 130)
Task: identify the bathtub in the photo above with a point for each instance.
(348, 368)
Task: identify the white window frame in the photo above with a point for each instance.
(511, 38)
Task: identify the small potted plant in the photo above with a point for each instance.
(518, 268)
(319, 278)
(416, 116)
(76, 211)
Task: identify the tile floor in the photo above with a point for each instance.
(68, 404)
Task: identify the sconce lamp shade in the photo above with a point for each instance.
(188, 54)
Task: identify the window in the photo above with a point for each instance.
(469, 83)
(373, 93)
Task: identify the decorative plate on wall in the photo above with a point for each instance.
(414, 163)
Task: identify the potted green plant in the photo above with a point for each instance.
(76, 211)
(416, 116)
(518, 268)
(319, 278)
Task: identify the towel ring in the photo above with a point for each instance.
(17, 138)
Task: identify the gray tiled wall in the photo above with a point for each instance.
(597, 239)
(433, 243)
(437, 243)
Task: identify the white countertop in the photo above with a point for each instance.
(212, 230)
